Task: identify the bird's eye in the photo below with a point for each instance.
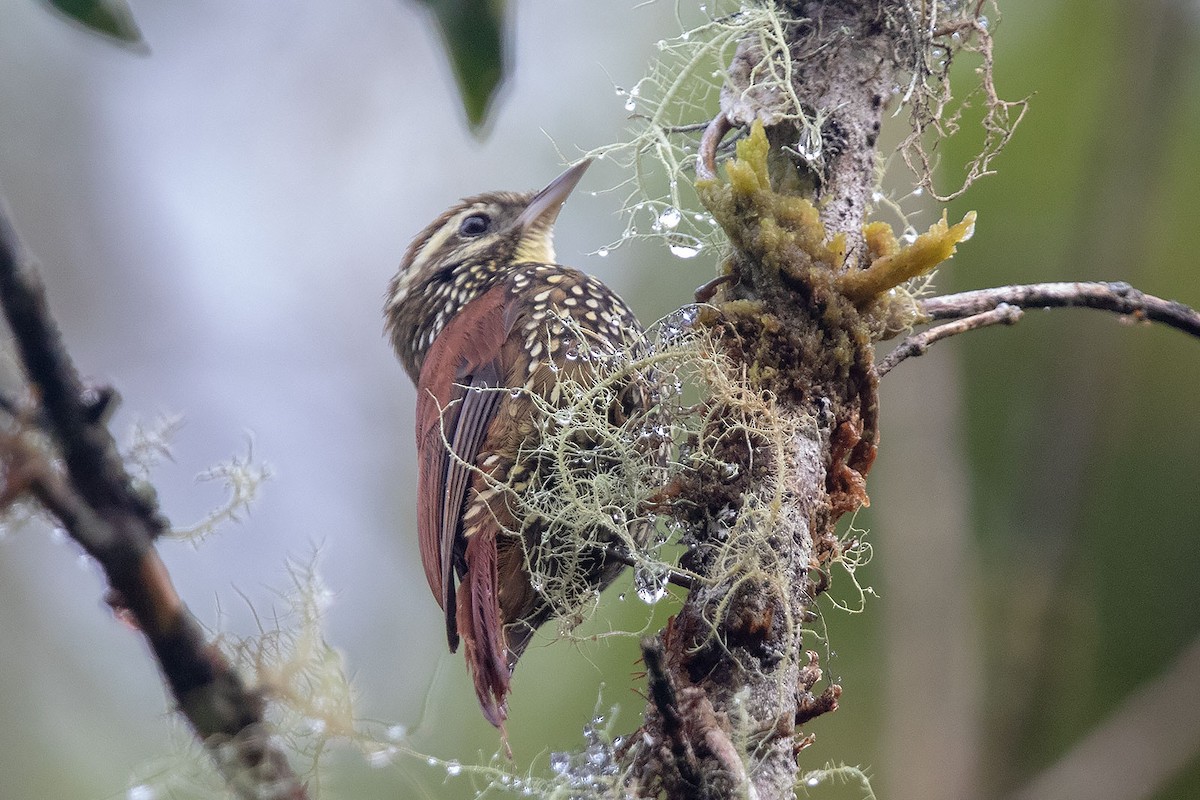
(475, 225)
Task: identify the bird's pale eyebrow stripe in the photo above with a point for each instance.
(434, 243)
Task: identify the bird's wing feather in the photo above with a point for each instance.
(454, 406)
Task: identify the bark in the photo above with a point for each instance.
(731, 683)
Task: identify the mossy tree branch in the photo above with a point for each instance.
(794, 210)
(98, 504)
(807, 290)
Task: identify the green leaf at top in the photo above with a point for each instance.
(109, 17)
(473, 34)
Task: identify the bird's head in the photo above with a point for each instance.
(460, 255)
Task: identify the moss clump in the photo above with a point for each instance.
(803, 314)
(891, 266)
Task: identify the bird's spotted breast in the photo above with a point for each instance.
(562, 304)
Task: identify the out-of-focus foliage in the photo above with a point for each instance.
(473, 35)
(109, 17)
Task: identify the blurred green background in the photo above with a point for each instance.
(218, 219)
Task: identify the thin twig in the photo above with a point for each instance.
(1002, 305)
(681, 579)
(1117, 296)
(919, 343)
(94, 498)
(706, 158)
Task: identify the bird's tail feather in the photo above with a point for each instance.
(481, 630)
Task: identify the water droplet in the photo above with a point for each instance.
(396, 732)
(650, 582)
(983, 21)
(917, 192)
(514, 393)
(810, 145)
(141, 792)
(636, 90)
(685, 35)
(381, 758)
(670, 217)
(876, 197)
(684, 246)
(602, 252)
(630, 104)
(812, 781)
(560, 763)
(909, 236)
(620, 92)
(453, 768)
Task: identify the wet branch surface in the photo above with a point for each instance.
(1003, 305)
(100, 507)
(1115, 296)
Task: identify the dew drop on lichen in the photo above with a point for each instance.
(650, 582)
(670, 217)
(381, 758)
(684, 246)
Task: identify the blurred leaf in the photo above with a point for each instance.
(109, 17)
(473, 34)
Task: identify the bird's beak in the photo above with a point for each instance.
(543, 209)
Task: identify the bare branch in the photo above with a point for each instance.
(919, 343)
(1115, 296)
(97, 503)
(681, 579)
(706, 160)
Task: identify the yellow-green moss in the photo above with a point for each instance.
(891, 267)
(783, 235)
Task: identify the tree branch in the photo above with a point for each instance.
(1115, 296)
(96, 501)
(980, 308)
(919, 343)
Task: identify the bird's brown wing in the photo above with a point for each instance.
(456, 403)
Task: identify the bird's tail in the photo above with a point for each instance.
(480, 627)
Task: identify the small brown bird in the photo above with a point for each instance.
(484, 320)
